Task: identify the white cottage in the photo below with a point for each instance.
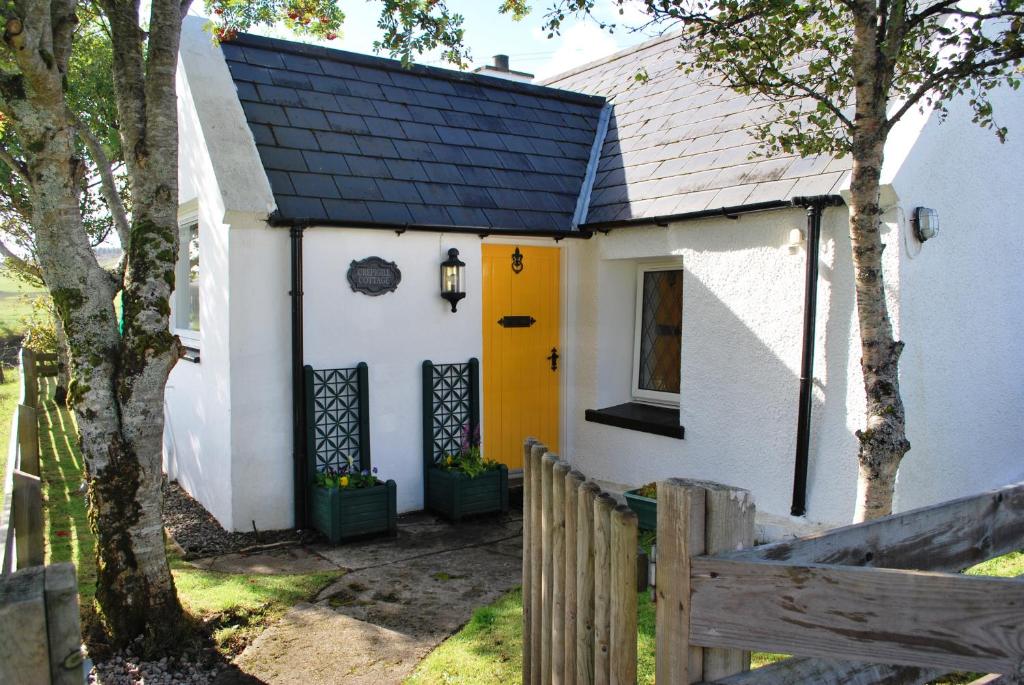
(638, 291)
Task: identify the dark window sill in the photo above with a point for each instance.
(191, 354)
(639, 417)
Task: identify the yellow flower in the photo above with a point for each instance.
(344, 481)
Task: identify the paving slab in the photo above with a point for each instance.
(289, 560)
(401, 598)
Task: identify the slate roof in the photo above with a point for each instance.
(677, 145)
(358, 140)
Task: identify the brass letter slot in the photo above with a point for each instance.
(516, 321)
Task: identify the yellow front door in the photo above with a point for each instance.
(522, 353)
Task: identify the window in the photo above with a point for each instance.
(658, 334)
(186, 288)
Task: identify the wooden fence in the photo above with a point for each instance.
(877, 602)
(21, 519)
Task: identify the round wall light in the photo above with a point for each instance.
(926, 223)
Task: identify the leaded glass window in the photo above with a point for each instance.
(659, 325)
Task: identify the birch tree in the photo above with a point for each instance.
(841, 74)
(120, 368)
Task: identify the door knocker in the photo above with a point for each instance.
(517, 261)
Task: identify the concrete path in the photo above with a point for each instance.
(399, 599)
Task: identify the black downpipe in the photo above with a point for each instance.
(814, 206)
(298, 390)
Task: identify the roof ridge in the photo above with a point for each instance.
(388, 64)
(611, 58)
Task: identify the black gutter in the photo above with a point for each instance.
(814, 205)
(483, 231)
(728, 212)
(298, 389)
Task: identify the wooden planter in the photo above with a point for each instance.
(454, 495)
(342, 514)
(646, 509)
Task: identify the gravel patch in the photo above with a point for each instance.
(199, 534)
(125, 668)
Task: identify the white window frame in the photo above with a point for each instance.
(665, 399)
(188, 216)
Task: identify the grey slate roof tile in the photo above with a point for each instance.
(687, 133)
(351, 138)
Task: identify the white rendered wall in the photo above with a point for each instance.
(742, 325)
(962, 371)
(393, 333)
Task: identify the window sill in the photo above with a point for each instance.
(639, 417)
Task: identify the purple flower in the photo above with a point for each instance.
(375, 469)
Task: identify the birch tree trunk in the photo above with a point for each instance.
(119, 377)
(883, 441)
(60, 393)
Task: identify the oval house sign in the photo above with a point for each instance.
(373, 276)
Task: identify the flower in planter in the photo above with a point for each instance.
(347, 477)
(469, 460)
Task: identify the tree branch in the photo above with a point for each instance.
(108, 187)
(16, 166)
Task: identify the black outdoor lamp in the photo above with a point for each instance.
(453, 278)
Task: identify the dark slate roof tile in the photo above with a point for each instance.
(360, 139)
(280, 182)
(429, 215)
(347, 123)
(357, 188)
(281, 158)
(315, 185)
(354, 105)
(301, 63)
(347, 210)
(398, 191)
(376, 147)
(326, 162)
(232, 52)
(264, 114)
(336, 142)
(296, 137)
(384, 128)
(370, 167)
(300, 207)
(389, 213)
(306, 118)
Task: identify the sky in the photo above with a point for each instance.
(488, 33)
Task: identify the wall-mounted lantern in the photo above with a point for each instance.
(453, 278)
(925, 222)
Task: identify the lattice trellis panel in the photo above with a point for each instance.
(336, 418)
(450, 396)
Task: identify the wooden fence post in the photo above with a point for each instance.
(728, 526)
(573, 481)
(28, 519)
(30, 378)
(547, 566)
(63, 625)
(558, 473)
(622, 656)
(537, 453)
(23, 651)
(680, 536)
(28, 439)
(603, 506)
(585, 583)
(527, 566)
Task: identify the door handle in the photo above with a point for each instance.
(553, 357)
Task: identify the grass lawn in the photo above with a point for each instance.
(15, 304)
(8, 403)
(233, 608)
(487, 650)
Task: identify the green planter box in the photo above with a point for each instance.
(454, 495)
(646, 509)
(344, 514)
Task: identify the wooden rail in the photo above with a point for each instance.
(21, 519)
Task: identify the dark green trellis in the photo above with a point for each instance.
(337, 419)
(451, 400)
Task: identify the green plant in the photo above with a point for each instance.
(348, 478)
(649, 490)
(469, 459)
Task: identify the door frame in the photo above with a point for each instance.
(563, 327)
